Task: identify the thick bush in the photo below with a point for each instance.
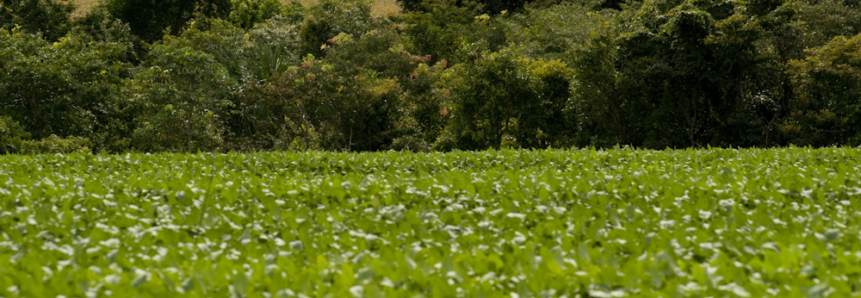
(101, 65)
(246, 13)
(505, 100)
(320, 105)
(329, 18)
(827, 111)
(441, 31)
(276, 46)
(67, 88)
(424, 113)
(419, 120)
(551, 32)
(54, 144)
(247, 55)
(687, 74)
(148, 19)
(184, 96)
(227, 43)
(12, 135)
(828, 18)
(487, 6)
(32, 85)
(51, 18)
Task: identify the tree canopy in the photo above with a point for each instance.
(248, 75)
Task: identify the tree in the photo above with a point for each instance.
(246, 13)
(148, 19)
(417, 117)
(12, 135)
(488, 6)
(339, 103)
(685, 74)
(329, 18)
(49, 17)
(827, 111)
(68, 88)
(502, 99)
(184, 96)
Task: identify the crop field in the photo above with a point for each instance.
(554, 223)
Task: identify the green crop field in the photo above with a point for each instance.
(555, 223)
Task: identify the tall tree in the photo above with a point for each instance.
(185, 96)
(149, 18)
(50, 17)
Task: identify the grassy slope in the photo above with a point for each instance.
(380, 7)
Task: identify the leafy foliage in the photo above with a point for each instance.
(504, 100)
(49, 17)
(829, 89)
(183, 94)
(12, 135)
(488, 6)
(330, 18)
(319, 105)
(246, 13)
(68, 88)
(719, 223)
(828, 18)
(441, 31)
(445, 74)
(551, 33)
(149, 19)
(687, 74)
(54, 144)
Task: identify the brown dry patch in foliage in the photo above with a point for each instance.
(379, 7)
(82, 6)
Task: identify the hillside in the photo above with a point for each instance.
(380, 7)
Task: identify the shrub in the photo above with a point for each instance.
(61, 88)
(419, 120)
(99, 24)
(246, 13)
(424, 113)
(440, 31)
(320, 105)
(672, 74)
(148, 19)
(506, 100)
(185, 95)
(329, 18)
(828, 18)
(70, 87)
(276, 46)
(12, 135)
(227, 43)
(49, 17)
(247, 55)
(488, 6)
(827, 111)
(550, 32)
(101, 65)
(54, 144)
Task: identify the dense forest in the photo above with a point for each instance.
(258, 75)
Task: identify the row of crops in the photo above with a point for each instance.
(554, 223)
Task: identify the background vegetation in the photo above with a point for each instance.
(249, 75)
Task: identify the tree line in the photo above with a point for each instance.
(252, 75)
